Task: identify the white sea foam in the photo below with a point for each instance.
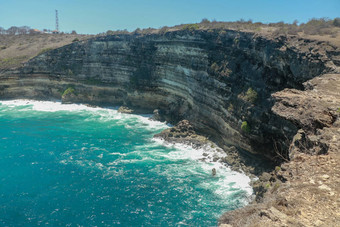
(227, 179)
(106, 114)
(46, 106)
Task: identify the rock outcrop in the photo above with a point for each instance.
(183, 132)
(315, 110)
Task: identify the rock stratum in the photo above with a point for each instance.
(273, 97)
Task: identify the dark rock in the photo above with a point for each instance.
(213, 171)
(183, 132)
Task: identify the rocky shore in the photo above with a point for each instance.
(184, 133)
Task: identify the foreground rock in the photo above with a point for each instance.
(310, 196)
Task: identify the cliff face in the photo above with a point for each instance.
(220, 81)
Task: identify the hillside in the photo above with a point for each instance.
(16, 49)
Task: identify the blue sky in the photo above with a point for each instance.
(95, 16)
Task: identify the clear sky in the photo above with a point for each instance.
(95, 16)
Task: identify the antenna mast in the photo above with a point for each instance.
(56, 21)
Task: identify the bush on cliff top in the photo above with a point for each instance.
(190, 27)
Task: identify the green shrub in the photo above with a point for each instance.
(336, 22)
(75, 40)
(245, 127)
(338, 110)
(205, 21)
(190, 27)
(251, 95)
(69, 90)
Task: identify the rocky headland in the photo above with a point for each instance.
(275, 98)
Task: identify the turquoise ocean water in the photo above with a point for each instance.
(72, 165)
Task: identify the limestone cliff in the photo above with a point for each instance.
(221, 81)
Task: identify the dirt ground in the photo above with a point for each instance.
(16, 49)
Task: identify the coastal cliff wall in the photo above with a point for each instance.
(221, 81)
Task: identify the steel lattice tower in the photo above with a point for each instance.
(56, 21)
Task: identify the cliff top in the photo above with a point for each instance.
(17, 49)
(316, 29)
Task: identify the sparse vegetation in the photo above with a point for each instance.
(190, 27)
(245, 127)
(75, 40)
(267, 186)
(336, 22)
(319, 27)
(250, 95)
(277, 168)
(69, 90)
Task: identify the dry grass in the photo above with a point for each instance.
(16, 49)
